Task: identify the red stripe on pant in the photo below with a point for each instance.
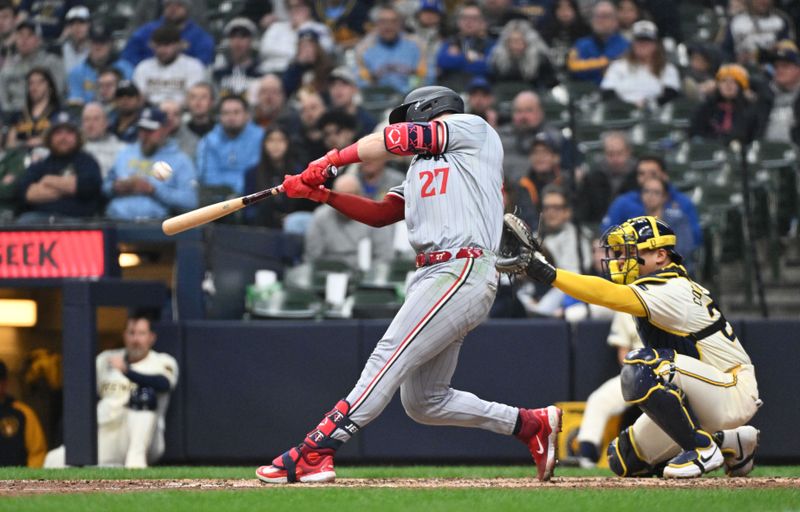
(411, 336)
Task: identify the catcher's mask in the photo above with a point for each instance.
(624, 242)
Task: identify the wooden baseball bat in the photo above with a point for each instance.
(212, 212)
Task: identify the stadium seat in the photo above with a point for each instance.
(287, 304)
(618, 114)
(375, 304)
(706, 155)
(678, 112)
(589, 136)
(506, 91)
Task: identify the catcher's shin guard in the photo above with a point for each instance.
(646, 381)
(624, 459)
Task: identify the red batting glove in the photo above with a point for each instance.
(296, 188)
(317, 171)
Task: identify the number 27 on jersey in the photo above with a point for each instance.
(429, 181)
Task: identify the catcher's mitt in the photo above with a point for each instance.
(516, 246)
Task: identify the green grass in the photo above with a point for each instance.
(387, 500)
(277, 498)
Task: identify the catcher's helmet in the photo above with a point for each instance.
(623, 243)
(425, 103)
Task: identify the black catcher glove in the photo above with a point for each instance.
(539, 268)
(516, 246)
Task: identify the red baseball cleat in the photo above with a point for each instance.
(544, 442)
(299, 465)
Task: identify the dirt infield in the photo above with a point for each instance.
(34, 487)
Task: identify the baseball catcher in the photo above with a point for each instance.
(691, 379)
(452, 203)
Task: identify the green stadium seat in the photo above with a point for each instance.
(287, 304)
(506, 91)
(375, 304)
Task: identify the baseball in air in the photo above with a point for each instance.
(162, 170)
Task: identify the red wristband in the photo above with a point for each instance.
(345, 156)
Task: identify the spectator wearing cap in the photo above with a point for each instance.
(82, 79)
(168, 74)
(728, 114)
(388, 57)
(75, 45)
(48, 15)
(278, 45)
(7, 20)
(466, 54)
(643, 76)
(27, 128)
(128, 105)
(30, 54)
(64, 186)
(527, 121)
(591, 55)
(133, 192)
(544, 169)
(755, 30)
(782, 98)
(237, 69)
(226, 153)
(199, 44)
(521, 55)
(343, 92)
(310, 68)
(345, 18)
(563, 29)
(23, 442)
(480, 100)
(98, 140)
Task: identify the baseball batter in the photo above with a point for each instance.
(692, 377)
(133, 384)
(452, 203)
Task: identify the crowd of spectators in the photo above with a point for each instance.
(86, 110)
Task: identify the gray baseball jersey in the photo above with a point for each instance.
(455, 200)
(451, 201)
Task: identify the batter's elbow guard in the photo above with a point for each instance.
(406, 139)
